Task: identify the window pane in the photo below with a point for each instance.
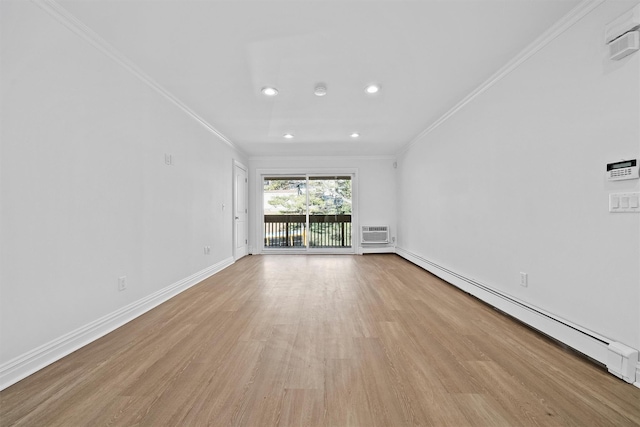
(285, 212)
(330, 212)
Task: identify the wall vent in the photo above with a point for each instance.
(622, 361)
(621, 34)
(624, 45)
(375, 234)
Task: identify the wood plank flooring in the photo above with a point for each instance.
(322, 341)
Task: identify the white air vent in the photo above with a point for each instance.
(621, 34)
(375, 234)
(624, 45)
(621, 361)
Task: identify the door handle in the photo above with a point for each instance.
(237, 217)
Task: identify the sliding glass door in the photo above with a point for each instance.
(329, 212)
(307, 213)
(285, 212)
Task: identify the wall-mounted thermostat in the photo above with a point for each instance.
(625, 169)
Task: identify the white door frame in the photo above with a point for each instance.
(259, 211)
(236, 254)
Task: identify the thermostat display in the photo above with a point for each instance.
(626, 169)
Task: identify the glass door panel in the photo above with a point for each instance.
(307, 212)
(285, 212)
(329, 212)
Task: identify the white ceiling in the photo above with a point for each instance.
(215, 56)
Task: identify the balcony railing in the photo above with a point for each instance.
(325, 231)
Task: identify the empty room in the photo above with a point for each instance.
(319, 213)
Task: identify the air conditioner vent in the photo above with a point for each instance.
(624, 45)
(375, 234)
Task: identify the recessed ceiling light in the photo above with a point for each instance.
(371, 89)
(288, 135)
(320, 90)
(269, 91)
(355, 135)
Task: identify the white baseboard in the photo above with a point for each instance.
(576, 337)
(26, 364)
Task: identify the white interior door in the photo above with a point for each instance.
(240, 210)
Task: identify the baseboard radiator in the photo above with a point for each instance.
(622, 361)
(619, 359)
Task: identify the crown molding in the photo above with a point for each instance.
(317, 158)
(570, 19)
(62, 15)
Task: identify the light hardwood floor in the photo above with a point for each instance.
(322, 341)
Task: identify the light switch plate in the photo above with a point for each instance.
(624, 202)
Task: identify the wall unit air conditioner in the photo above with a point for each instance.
(372, 234)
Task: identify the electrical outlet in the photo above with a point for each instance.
(122, 283)
(524, 279)
(207, 250)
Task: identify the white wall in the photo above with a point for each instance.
(514, 182)
(376, 186)
(86, 196)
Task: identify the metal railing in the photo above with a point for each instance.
(325, 231)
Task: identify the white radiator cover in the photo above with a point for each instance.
(622, 361)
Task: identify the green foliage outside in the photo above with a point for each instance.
(326, 196)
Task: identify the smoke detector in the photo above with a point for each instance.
(320, 89)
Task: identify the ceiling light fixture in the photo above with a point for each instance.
(288, 135)
(371, 89)
(355, 135)
(269, 91)
(320, 90)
